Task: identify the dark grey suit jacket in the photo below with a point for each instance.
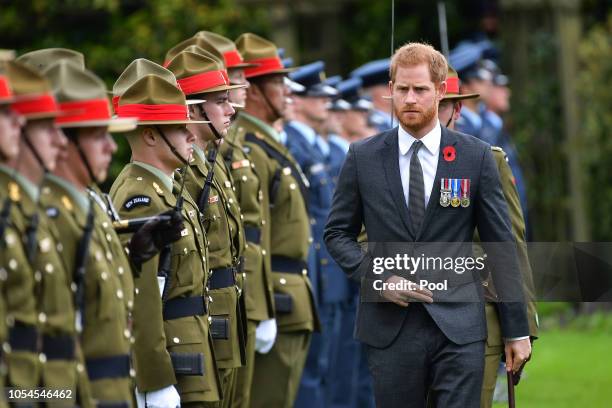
(369, 193)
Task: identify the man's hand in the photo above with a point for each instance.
(154, 235)
(518, 353)
(404, 297)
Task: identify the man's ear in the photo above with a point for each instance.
(457, 110)
(149, 136)
(391, 88)
(441, 90)
(254, 92)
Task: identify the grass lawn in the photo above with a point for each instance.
(570, 368)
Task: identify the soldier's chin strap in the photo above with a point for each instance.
(171, 146)
(451, 118)
(30, 146)
(267, 100)
(32, 227)
(75, 140)
(212, 127)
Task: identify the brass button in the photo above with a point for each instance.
(120, 270)
(282, 281)
(42, 317)
(176, 340)
(49, 268)
(119, 294)
(104, 276)
(304, 272)
(263, 252)
(12, 264)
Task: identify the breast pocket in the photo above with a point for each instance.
(185, 261)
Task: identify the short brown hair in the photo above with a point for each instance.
(415, 53)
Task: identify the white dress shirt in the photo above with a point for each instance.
(428, 154)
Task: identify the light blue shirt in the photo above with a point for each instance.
(340, 142)
(472, 117)
(323, 145)
(428, 154)
(306, 131)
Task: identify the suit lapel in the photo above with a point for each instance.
(390, 159)
(445, 169)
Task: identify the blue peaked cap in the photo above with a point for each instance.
(373, 73)
(312, 77)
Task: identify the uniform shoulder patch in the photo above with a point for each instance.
(137, 201)
(52, 212)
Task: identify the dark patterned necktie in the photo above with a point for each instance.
(416, 190)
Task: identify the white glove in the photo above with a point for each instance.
(167, 397)
(265, 334)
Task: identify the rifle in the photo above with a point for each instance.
(203, 198)
(164, 267)
(79, 267)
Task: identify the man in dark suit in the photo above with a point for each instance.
(420, 343)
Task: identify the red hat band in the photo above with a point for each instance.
(166, 112)
(232, 58)
(82, 111)
(42, 103)
(452, 85)
(202, 82)
(264, 66)
(5, 89)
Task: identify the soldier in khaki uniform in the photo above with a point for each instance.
(173, 347)
(449, 111)
(259, 297)
(286, 235)
(203, 77)
(39, 309)
(9, 149)
(91, 250)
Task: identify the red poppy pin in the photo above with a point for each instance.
(449, 153)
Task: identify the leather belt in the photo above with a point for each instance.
(108, 367)
(59, 347)
(23, 337)
(222, 278)
(288, 265)
(184, 307)
(252, 234)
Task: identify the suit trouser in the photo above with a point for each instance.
(277, 374)
(244, 375)
(421, 361)
(493, 351)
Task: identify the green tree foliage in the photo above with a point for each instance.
(596, 70)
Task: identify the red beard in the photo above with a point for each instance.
(413, 122)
